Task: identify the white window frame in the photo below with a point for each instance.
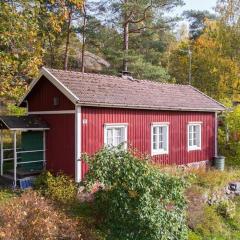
(116, 125)
(160, 151)
(194, 147)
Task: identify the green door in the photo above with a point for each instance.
(31, 140)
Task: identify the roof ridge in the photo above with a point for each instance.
(115, 76)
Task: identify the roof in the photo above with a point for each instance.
(22, 123)
(110, 91)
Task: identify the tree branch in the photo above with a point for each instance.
(144, 15)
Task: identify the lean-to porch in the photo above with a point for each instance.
(22, 147)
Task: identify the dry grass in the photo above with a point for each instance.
(32, 217)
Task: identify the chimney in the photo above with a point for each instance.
(126, 75)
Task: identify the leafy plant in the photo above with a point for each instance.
(211, 226)
(60, 188)
(138, 201)
(226, 209)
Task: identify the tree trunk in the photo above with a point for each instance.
(125, 40)
(67, 41)
(52, 56)
(84, 38)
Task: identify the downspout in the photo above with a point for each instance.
(78, 144)
(216, 134)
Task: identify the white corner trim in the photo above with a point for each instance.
(160, 151)
(52, 112)
(78, 144)
(61, 87)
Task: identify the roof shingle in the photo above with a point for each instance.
(104, 90)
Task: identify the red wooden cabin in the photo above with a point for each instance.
(175, 124)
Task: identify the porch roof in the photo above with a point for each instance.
(23, 123)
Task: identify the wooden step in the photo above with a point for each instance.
(23, 173)
(6, 181)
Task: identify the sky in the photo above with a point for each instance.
(196, 5)
(192, 5)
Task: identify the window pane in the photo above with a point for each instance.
(161, 145)
(118, 135)
(154, 130)
(110, 137)
(155, 138)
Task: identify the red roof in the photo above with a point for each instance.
(111, 91)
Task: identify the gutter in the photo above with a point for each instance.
(149, 108)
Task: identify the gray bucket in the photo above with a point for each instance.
(219, 163)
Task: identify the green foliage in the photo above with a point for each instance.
(5, 195)
(138, 201)
(61, 188)
(214, 179)
(193, 236)
(12, 109)
(229, 137)
(211, 225)
(219, 221)
(146, 70)
(226, 209)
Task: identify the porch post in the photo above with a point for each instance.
(44, 150)
(78, 144)
(1, 149)
(15, 158)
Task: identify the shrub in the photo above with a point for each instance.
(226, 209)
(31, 217)
(211, 226)
(229, 137)
(60, 188)
(193, 236)
(5, 195)
(138, 201)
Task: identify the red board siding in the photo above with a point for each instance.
(60, 143)
(41, 97)
(139, 132)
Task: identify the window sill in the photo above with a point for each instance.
(194, 149)
(159, 153)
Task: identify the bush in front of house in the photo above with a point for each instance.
(30, 216)
(60, 188)
(229, 136)
(138, 201)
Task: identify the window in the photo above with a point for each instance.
(194, 136)
(159, 139)
(115, 134)
(56, 101)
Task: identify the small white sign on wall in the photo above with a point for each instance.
(84, 121)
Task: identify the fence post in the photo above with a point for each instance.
(44, 150)
(15, 158)
(1, 149)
